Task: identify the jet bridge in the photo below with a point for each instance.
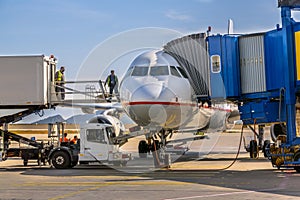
(191, 53)
(261, 73)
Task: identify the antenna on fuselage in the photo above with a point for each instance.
(230, 26)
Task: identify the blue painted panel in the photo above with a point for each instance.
(257, 112)
(231, 69)
(226, 83)
(274, 59)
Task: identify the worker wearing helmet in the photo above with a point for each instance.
(112, 82)
(59, 82)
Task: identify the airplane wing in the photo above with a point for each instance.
(93, 107)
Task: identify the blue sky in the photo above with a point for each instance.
(71, 29)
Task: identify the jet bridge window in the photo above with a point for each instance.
(159, 71)
(140, 71)
(174, 71)
(95, 135)
(215, 62)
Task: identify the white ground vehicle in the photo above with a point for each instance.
(97, 144)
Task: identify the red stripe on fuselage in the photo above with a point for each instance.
(159, 103)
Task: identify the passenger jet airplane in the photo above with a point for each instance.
(157, 95)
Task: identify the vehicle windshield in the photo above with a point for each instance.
(159, 71)
(140, 71)
(95, 135)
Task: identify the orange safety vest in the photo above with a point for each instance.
(74, 141)
(63, 139)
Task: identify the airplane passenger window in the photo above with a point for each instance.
(182, 71)
(140, 71)
(95, 135)
(215, 64)
(159, 71)
(174, 72)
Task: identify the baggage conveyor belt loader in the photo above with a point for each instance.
(28, 86)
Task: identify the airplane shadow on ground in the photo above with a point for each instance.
(273, 181)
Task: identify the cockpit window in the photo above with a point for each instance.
(174, 71)
(128, 73)
(159, 71)
(140, 71)
(182, 71)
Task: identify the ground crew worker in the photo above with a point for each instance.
(74, 140)
(64, 138)
(112, 82)
(59, 82)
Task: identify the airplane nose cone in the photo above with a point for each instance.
(152, 92)
(147, 92)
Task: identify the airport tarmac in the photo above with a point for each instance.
(193, 177)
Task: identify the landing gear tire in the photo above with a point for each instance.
(266, 148)
(143, 149)
(60, 160)
(253, 149)
(297, 158)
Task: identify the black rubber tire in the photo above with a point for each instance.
(296, 158)
(253, 149)
(266, 148)
(60, 160)
(143, 149)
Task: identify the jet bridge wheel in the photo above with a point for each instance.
(253, 149)
(297, 158)
(266, 148)
(60, 160)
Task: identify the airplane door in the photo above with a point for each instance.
(96, 145)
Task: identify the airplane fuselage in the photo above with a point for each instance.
(155, 92)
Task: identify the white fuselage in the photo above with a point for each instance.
(157, 94)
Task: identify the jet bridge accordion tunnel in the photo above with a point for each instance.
(251, 68)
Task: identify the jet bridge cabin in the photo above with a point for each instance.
(261, 73)
(249, 69)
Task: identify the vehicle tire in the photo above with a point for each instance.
(266, 148)
(253, 149)
(60, 160)
(143, 149)
(297, 158)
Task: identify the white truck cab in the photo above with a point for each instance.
(97, 145)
